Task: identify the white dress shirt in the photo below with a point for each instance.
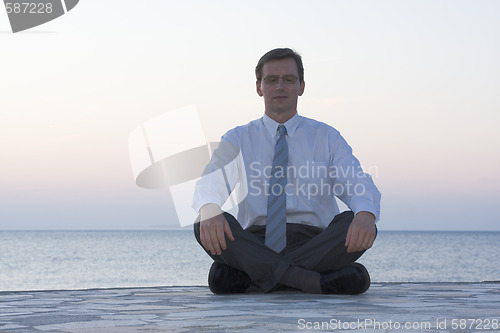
(320, 167)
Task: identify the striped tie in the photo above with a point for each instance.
(276, 201)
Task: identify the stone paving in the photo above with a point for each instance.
(386, 307)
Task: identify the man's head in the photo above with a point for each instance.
(278, 54)
(280, 80)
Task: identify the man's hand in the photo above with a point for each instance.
(213, 226)
(361, 232)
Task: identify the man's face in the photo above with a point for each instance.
(280, 97)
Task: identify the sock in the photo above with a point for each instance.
(303, 279)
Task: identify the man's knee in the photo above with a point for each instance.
(234, 225)
(341, 222)
(344, 217)
(230, 218)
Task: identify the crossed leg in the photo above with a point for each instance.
(308, 247)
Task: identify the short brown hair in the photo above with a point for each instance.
(280, 54)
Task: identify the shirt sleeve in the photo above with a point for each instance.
(221, 176)
(358, 190)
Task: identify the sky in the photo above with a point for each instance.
(411, 85)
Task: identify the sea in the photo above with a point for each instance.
(68, 260)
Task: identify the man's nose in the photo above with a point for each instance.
(280, 84)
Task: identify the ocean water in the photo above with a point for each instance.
(55, 260)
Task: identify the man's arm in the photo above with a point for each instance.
(213, 227)
(361, 232)
(366, 205)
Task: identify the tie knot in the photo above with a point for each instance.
(282, 130)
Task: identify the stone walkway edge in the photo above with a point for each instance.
(385, 307)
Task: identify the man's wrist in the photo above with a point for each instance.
(210, 210)
(367, 213)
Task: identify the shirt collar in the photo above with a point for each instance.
(272, 126)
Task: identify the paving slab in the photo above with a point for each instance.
(386, 307)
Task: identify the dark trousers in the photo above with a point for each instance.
(307, 246)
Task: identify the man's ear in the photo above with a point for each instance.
(258, 86)
(302, 87)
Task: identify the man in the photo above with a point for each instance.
(288, 233)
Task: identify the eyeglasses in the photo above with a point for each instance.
(274, 79)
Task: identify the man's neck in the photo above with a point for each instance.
(280, 117)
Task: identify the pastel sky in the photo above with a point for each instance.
(413, 86)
